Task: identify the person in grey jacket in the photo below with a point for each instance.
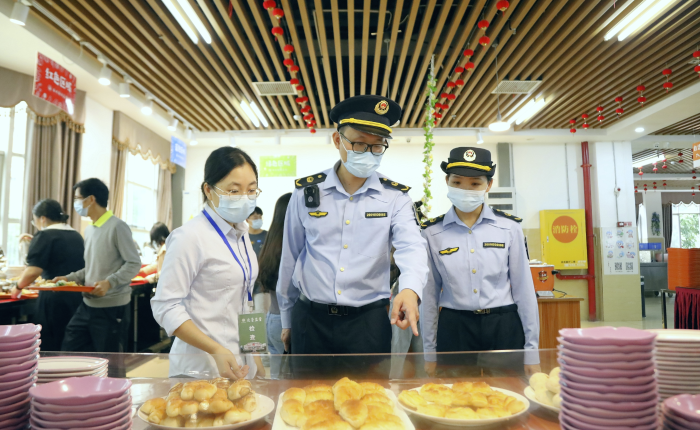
(111, 260)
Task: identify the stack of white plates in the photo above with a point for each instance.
(607, 379)
(82, 403)
(677, 362)
(57, 368)
(19, 353)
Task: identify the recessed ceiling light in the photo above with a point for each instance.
(105, 76)
(20, 12)
(639, 129)
(147, 109)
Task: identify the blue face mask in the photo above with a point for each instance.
(361, 165)
(466, 200)
(78, 206)
(235, 211)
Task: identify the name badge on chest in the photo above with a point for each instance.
(375, 214)
(252, 336)
(494, 245)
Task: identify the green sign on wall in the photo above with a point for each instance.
(283, 165)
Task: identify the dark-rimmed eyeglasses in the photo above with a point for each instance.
(362, 147)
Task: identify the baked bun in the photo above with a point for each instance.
(218, 404)
(177, 421)
(461, 399)
(354, 412)
(461, 414)
(377, 398)
(320, 407)
(292, 413)
(412, 399)
(221, 383)
(176, 406)
(556, 402)
(200, 420)
(238, 389)
(384, 417)
(348, 391)
(538, 381)
(157, 415)
(486, 414)
(313, 419)
(555, 372)
(318, 387)
(383, 425)
(436, 393)
(478, 400)
(463, 387)
(371, 387)
(249, 402)
(150, 405)
(500, 411)
(316, 396)
(434, 410)
(236, 415)
(379, 408)
(331, 424)
(482, 387)
(543, 395)
(294, 393)
(176, 388)
(198, 390)
(552, 384)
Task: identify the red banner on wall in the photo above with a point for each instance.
(54, 83)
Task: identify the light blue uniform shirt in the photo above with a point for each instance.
(342, 255)
(479, 274)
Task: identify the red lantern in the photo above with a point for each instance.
(300, 88)
(444, 95)
(451, 96)
(502, 5)
(640, 174)
(459, 83)
(664, 166)
(269, 4)
(437, 115)
(438, 106)
(304, 99)
(573, 130)
(483, 24)
(305, 109)
(484, 41)
(468, 52)
(696, 54)
(277, 31)
(312, 131)
(277, 13)
(308, 117)
(288, 62)
(618, 99)
(294, 69)
(584, 116)
(619, 111)
(294, 81)
(641, 88)
(655, 169)
(572, 121)
(599, 108)
(697, 69)
(469, 66)
(299, 100)
(600, 118)
(451, 85)
(445, 107)
(459, 69)
(641, 99)
(312, 123)
(288, 49)
(668, 85)
(585, 126)
(664, 184)
(666, 72)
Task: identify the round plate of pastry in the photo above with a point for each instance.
(345, 405)
(219, 403)
(544, 390)
(464, 404)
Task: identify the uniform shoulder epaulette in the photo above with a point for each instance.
(310, 180)
(432, 221)
(507, 215)
(389, 184)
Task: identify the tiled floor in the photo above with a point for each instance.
(652, 320)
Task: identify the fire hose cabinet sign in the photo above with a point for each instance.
(563, 235)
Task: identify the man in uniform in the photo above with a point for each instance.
(341, 224)
(479, 295)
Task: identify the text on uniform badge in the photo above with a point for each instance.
(494, 245)
(375, 214)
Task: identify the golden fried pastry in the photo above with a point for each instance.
(375, 408)
(330, 424)
(496, 401)
(152, 405)
(318, 387)
(514, 405)
(294, 393)
(238, 389)
(218, 404)
(377, 398)
(481, 387)
(316, 396)
(462, 414)
(176, 406)
(292, 412)
(347, 392)
(157, 415)
(371, 387)
(435, 393)
(343, 381)
(198, 390)
(486, 413)
(248, 402)
(433, 410)
(221, 383)
(199, 421)
(236, 415)
(383, 425)
(478, 400)
(463, 387)
(173, 421)
(320, 407)
(381, 417)
(461, 399)
(500, 412)
(176, 388)
(412, 399)
(354, 412)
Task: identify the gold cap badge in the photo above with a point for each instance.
(382, 107)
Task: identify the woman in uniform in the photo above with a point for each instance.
(209, 271)
(480, 295)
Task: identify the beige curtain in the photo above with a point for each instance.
(117, 179)
(165, 198)
(71, 152)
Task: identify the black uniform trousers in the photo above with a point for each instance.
(463, 331)
(317, 330)
(54, 310)
(98, 329)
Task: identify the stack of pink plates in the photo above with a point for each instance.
(19, 353)
(607, 379)
(57, 368)
(677, 362)
(681, 412)
(81, 403)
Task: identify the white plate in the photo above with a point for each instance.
(685, 336)
(530, 394)
(265, 406)
(472, 423)
(53, 375)
(279, 423)
(70, 364)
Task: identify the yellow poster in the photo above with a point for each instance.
(563, 235)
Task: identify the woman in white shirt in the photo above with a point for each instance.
(209, 271)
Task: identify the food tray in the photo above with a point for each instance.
(78, 289)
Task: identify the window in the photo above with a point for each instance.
(141, 196)
(686, 225)
(13, 146)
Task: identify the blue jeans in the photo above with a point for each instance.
(274, 343)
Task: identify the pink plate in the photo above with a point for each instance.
(606, 358)
(14, 421)
(86, 425)
(597, 336)
(126, 426)
(15, 398)
(578, 424)
(99, 406)
(68, 416)
(21, 426)
(9, 347)
(17, 360)
(18, 332)
(20, 374)
(22, 410)
(26, 352)
(14, 406)
(622, 422)
(603, 349)
(11, 368)
(16, 382)
(678, 420)
(610, 397)
(639, 380)
(76, 391)
(82, 423)
(620, 365)
(604, 413)
(607, 373)
(13, 388)
(617, 389)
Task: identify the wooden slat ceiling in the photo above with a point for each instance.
(688, 126)
(385, 46)
(673, 161)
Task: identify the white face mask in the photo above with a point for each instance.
(466, 200)
(234, 211)
(361, 165)
(78, 206)
(256, 224)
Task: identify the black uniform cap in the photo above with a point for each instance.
(469, 162)
(369, 114)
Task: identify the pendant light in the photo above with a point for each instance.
(499, 125)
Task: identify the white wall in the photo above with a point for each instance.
(95, 161)
(611, 162)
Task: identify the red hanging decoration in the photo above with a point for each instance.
(288, 62)
(313, 131)
(635, 188)
(502, 5)
(451, 85)
(468, 53)
(619, 111)
(444, 95)
(459, 69)
(483, 24)
(641, 173)
(600, 118)
(664, 166)
(585, 121)
(305, 109)
(278, 13)
(459, 83)
(288, 49)
(437, 115)
(277, 31)
(600, 113)
(697, 69)
(300, 88)
(308, 117)
(640, 89)
(572, 121)
(294, 69)
(668, 84)
(573, 130)
(664, 185)
(451, 97)
(269, 4)
(445, 107)
(294, 81)
(618, 99)
(484, 41)
(641, 99)
(469, 66)
(438, 106)
(680, 154)
(655, 169)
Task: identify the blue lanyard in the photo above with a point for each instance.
(250, 266)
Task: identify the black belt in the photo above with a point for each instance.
(498, 310)
(337, 310)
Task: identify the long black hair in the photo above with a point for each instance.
(271, 253)
(51, 209)
(221, 162)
